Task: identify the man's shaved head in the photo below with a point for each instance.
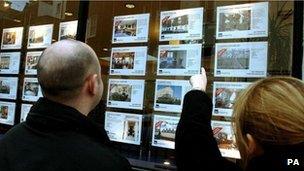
(64, 66)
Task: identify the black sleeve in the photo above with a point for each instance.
(195, 145)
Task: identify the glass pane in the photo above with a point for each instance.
(27, 28)
(110, 18)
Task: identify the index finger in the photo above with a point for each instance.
(203, 71)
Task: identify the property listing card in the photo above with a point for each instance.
(169, 95)
(31, 90)
(126, 93)
(246, 59)
(40, 36)
(128, 60)
(25, 109)
(185, 24)
(9, 62)
(179, 60)
(7, 112)
(123, 127)
(12, 38)
(224, 96)
(164, 129)
(31, 61)
(242, 21)
(225, 138)
(8, 87)
(131, 28)
(68, 30)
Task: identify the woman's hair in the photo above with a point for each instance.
(272, 111)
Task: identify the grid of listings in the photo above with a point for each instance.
(179, 56)
(39, 38)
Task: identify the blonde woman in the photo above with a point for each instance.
(268, 123)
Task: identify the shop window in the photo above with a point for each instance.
(148, 51)
(27, 28)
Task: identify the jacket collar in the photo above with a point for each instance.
(275, 158)
(48, 116)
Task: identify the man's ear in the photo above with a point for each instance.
(254, 149)
(93, 84)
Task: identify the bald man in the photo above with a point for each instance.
(57, 134)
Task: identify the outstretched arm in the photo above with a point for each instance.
(195, 145)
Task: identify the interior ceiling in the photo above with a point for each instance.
(8, 13)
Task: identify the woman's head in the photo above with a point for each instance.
(271, 110)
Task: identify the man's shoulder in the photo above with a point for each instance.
(68, 146)
(88, 152)
(10, 137)
(14, 132)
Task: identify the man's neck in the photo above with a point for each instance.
(80, 106)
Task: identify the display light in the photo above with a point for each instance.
(130, 6)
(17, 21)
(68, 14)
(6, 4)
(167, 163)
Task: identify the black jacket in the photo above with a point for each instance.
(58, 137)
(196, 147)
